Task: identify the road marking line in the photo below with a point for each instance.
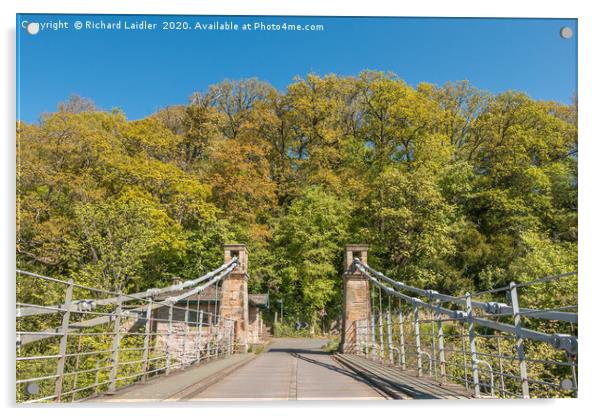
(292, 389)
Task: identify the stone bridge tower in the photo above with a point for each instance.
(235, 298)
(356, 296)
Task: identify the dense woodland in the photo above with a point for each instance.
(454, 188)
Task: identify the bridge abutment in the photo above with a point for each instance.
(356, 297)
(235, 299)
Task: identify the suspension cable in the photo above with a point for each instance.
(494, 308)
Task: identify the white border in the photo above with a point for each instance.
(590, 139)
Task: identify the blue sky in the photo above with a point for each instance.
(143, 71)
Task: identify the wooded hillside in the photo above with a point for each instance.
(454, 188)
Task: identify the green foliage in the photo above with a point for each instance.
(287, 330)
(332, 346)
(308, 238)
(415, 224)
(124, 237)
(256, 348)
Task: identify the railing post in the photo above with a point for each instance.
(79, 346)
(373, 337)
(473, 346)
(96, 376)
(402, 341)
(226, 336)
(463, 336)
(433, 358)
(501, 365)
(115, 346)
(218, 336)
(520, 349)
(441, 343)
(390, 338)
(60, 367)
(147, 331)
(366, 339)
(381, 343)
(169, 340)
(232, 337)
(360, 336)
(210, 338)
(199, 333)
(356, 337)
(571, 360)
(185, 333)
(417, 337)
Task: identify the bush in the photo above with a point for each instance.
(332, 346)
(284, 330)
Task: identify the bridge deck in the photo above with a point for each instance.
(292, 369)
(402, 384)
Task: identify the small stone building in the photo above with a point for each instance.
(256, 327)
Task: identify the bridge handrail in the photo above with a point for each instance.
(494, 308)
(76, 305)
(565, 342)
(138, 312)
(176, 299)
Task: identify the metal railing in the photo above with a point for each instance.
(493, 349)
(75, 341)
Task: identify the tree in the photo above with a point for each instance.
(413, 227)
(308, 240)
(119, 238)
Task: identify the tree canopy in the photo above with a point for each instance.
(454, 188)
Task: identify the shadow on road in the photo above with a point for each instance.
(333, 368)
(418, 394)
(298, 351)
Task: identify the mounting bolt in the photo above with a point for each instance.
(32, 389)
(566, 32)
